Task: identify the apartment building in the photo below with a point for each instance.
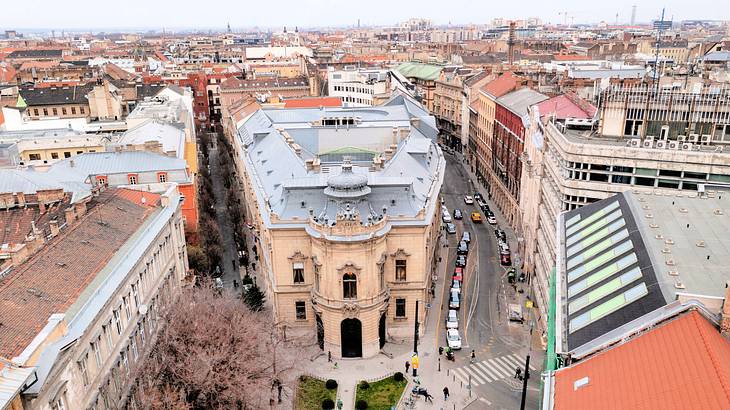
(569, 164)
(359, 88)
(448, 100)
(82, 312)
(423, 76)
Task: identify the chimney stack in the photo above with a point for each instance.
(53, 224)
(725, 314)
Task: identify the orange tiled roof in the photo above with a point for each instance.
(313, 102)
(570, 57)
(52, 279)
(682, 364)
(501, 85)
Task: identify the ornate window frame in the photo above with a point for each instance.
(298, 258)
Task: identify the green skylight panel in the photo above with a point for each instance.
(594, 227)
(601, 212)
(602, 274)
(608, 307)
(599, 247)
(585, 243)
(604, 290)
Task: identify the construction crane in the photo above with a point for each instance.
(565, 17)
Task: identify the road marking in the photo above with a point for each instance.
(514, 361)
(478, 371)
(521, 361)
(489, 403)
(489, 370)
(506, 363)
(461, 375)
(475, 377)
(498, 365)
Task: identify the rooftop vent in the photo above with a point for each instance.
(646, 207)
(717, 211)
(670, 262)
(669, 241)
(683, 210)
(666, 250)
(673, 273)
(700, 244)
(653, 226)
(659, 236)
(679, 285)
(649, 216)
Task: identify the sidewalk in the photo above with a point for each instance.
(350, 371)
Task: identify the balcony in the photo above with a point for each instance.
(362, 304)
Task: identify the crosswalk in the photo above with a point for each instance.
(490, 370)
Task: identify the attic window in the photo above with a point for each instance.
(580, 383)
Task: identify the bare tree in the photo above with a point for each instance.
(214, 353)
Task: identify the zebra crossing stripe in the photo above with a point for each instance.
(474, 375)
(521, 362)
(498, 365)
(478, 371)
(459, 375)
(496, 369)
(507, 363)
(515, 361)
(485, 367)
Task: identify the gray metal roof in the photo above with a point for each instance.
(81, 166)
(171, 137)
(518, 101)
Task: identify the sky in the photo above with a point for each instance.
(241, 14)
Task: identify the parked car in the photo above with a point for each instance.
(503, 247)
(452, 320)
(476, 217)
(468, 199)
(446, 217)
(450, 228)
(515, 312)
(477, 196)
(466, 237)
(455, 300)
(461, 261)
(462, 249)
(485, 208)
(453, 340)
(456, 286)
(458, 274)
(491, 219)
(500, 234)
(505, 259)
(481, 204)
(457, 214)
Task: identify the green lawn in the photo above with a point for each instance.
(381, 395)
(311, 393)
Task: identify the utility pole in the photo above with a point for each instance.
(524, 382)
(415, 340)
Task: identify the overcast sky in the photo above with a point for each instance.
(155, 14)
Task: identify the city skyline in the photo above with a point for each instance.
(74, 15)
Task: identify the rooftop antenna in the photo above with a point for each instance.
(659, 29)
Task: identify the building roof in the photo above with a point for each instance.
(235, 83)
(566, 106)
(12, 381)
(36, 54)
(502, 85)
(55, 276)
(519, 101)
(681, 364)
(170, 136)
(422, 71)
(79, 167)
(717, 56)
(56, 96)
(313, 102)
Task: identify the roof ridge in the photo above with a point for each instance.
(712, 353)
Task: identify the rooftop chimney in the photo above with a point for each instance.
(53, 224)
(725, 314)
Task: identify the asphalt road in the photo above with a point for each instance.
(500, 346)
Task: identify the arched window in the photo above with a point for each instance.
(349, 286)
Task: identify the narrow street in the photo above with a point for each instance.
(500, 346)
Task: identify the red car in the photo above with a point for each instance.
(505, 259)
(458, 274)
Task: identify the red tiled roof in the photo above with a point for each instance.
(502, 85)
(569, 57)
(140, 197)
(682, 364)
(567, 106)
(52, 279)
(314, 102)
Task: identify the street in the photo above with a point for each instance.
(500, 346)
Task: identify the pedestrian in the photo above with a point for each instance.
(335, 366)
(441, 350)
(329, 356)
(428, 397)
(518, 372)
(446, 393)
(473, 357)
(408, 365)
(339, 404)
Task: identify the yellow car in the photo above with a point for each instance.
(476, 217)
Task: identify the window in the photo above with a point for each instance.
(67, 154)
(54, 155)
(135, 353)
(125, 360)
(34, 157)
(45, 111)
(97, 352)
(135, 295)
(54, 110)
(82, 110)
(84, 371)
(73, 110)
(63, 110)
(381, 275)
(140, 329)
(400, 270)
(162, 177)
(298, 269)
(301, 310)
(117, 321)
(108, 332)
(400, 308)
(132, 179)
(59, 404)
(349, 286)
(79, 152)
(127, 310)
(35, 111)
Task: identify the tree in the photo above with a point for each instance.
(214, 353)
(254, 298)
(198, 259)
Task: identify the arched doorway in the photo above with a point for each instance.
(381, 330)
(351, 338)
(320, 331)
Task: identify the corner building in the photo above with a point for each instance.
(344, 204)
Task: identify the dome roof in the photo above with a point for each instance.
(347, 184)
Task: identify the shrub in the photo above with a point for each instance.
(364, 385)
(328, 404)
(361, 405)
(398, 376)
(330, 384)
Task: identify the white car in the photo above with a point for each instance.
(491, 220)
(453, 339)
(456, 286)
(446, 217)
(468, 199)
(452, 320)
